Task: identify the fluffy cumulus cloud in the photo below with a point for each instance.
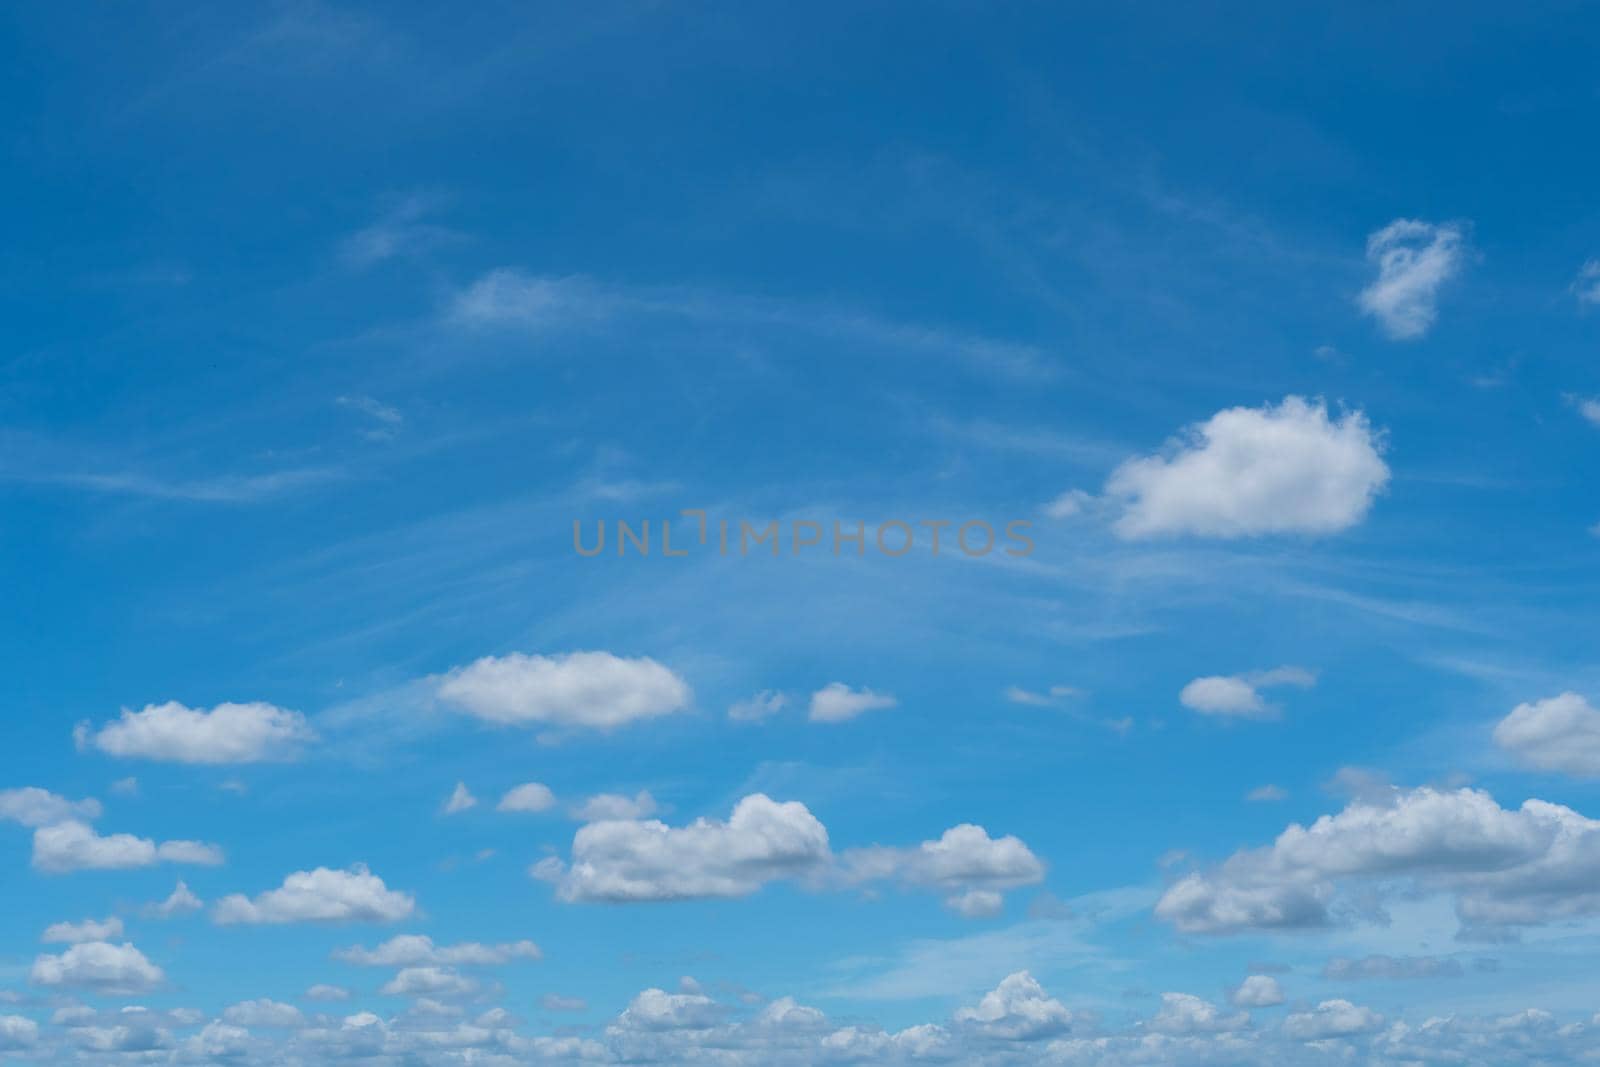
(416, 950)
(1331, 1019)
(228, 733)
(1413, 260)
(1257, 991)
(18, 1033)
(75, 846)
(321, 895)
(429, 982)
(1185, 1013)
(837, 702)
(964, 857)
(98, 966)
(594, 690)
(1504, 867)
(1018, 1009)
(1240, 695)
(604, 806)
(529, 797)
(1245, 472)
(34, 807)
(1559, 734)
(637, 860)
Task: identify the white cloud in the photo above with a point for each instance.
(1072, 503)
(1056, 694)
(17, 1033)
(763, 705)
(1561, 733)
(74, 846)
(1018, 1009)
(1506, 868)
(1239, 695)
(1331, 1019)
(1588, 407)
(603, 806)
(429, 981)
(414, 950)
(321, 895)
(98, 966)
(181, 901)
(976, 904)
(530, 797)
(1266, 794)
(1185, 1013)
(1413, 259)
(581, 689)
(461, 799)
(228, 733)
(964, 856)
(268, 1014)
(1257, 991)
(1246, 472)
(327, 993)
(656, 1009)
(87, 930)
(34, 807)
(1586, 286)
(837, 702)
(762, 840)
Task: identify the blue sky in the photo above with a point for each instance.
(326, 324)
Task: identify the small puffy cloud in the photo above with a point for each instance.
(1239, 695)
(1561, 733)
(75, 846)
(964, 856)
(528, 797)
(1331, 1019)
(1266, 794)
(837, 702)
(1586, 286)
(656, 1009)
(35, 807)
(98, 966)
(1340, 969)
(461, 799)
(414, 950)
(1257, 991)
(1184, 1013)
(603, 806)
(228, 733)
(1018, 1009)
(1069, 504)
(1248, 472)
(976, 904)
(595, 690)
(639, 860)
(1056, 694)
(763, 705)
(181, 901)
(429, 982)
(321, 895)
(267, 1014)
(88, 930)
(1413, 260)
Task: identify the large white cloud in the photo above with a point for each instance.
(321, 895)
(1561, 733)
(228, 733)
(636, 860)
(99, 966)
(415, 950)
(578, 689)
(963, 857)
(1413, 260)
(1505, 868)
(1018, 1009)
(1288, 468)
(75, 846)
(34, 807)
